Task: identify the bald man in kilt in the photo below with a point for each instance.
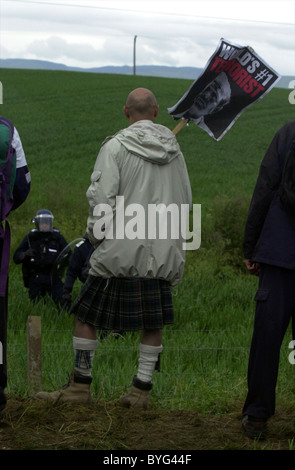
(129, 283)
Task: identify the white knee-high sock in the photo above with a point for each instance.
(148, 357)
(84, 353)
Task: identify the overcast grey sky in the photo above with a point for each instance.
(94, 33)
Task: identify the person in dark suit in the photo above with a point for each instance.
(269, 251)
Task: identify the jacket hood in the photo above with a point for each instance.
(152, 142)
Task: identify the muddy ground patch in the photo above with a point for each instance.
(27, 424)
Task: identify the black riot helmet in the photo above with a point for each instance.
(43, 220)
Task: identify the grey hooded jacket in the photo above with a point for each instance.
(138, 173)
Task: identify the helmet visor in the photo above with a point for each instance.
(44, 222)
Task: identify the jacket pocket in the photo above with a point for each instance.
(261, 295)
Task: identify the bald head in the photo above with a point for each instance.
(141, 104)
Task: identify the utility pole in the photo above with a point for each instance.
(134, 56)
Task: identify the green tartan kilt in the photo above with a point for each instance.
(124, 304)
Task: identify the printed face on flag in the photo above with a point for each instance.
(212, 99)
(234, 78)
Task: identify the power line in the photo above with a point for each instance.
(145, 12)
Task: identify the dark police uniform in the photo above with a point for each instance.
(78, 267)
(38, 252)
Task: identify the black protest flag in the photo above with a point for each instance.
(234, 78)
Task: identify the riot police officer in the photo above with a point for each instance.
(38, 252)
(78, 268)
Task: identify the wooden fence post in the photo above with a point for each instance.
(34, 355)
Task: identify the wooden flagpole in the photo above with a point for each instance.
(179, 126)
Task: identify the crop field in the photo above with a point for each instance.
(197, 398)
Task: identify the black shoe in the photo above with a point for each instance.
(255, 428)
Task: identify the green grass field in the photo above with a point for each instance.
(63, 118)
